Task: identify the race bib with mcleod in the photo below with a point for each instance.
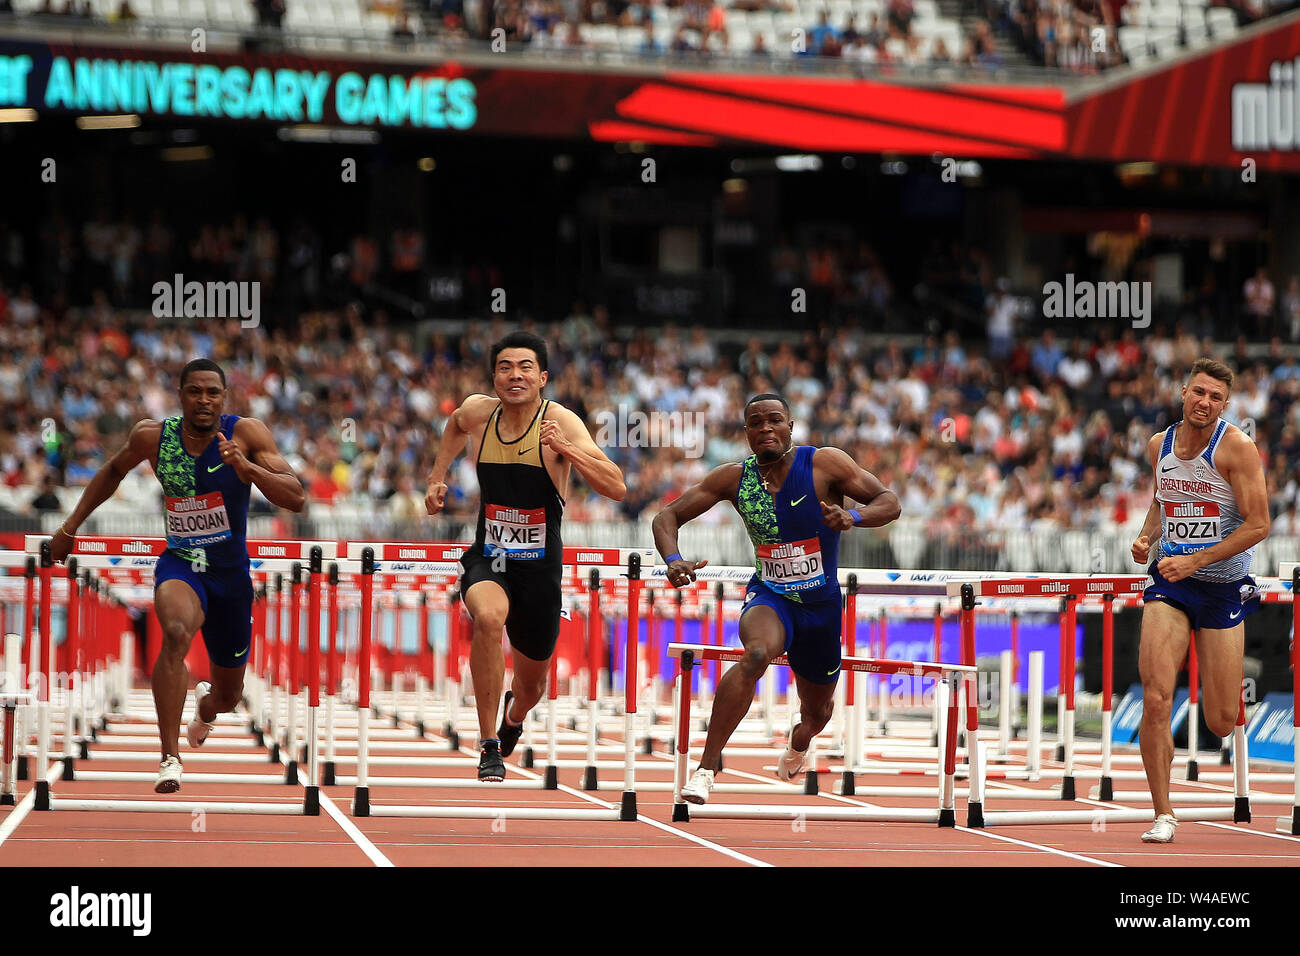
(197, 521)
(519, 533)
(1190, 526)
(790, 567)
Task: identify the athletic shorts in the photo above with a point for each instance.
(1213, 604)
(812, 632)
(533, 621)
(226, 595)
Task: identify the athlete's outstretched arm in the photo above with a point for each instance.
(1150, 532)
(566, 435)
(263, 465)
(143, 438)
(470, 417)
(1238, 461)
(718, 485)
(849, 480)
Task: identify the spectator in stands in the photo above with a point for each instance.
(1047, 355)
(819, 34)
(760, 46)
(270, 13)
(939, 52)
(1260, 300)
(1291, 309)
(1001, 309)
(901, 14)
(682, 41)
(403, 35)
(650, 45)
(716, 26)
(47, 500)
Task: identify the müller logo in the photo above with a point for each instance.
(1267, 115)
(1056, 587)
(511, 514)
(137, 547)
(1189, 509)
(787, 551)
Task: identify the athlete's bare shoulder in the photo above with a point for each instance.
(1236, 448)
(475, 411)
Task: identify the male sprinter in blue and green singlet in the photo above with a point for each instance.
(206, 463)
(792, 501)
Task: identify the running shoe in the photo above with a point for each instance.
(491, 768)
(198, 729)
(169, 776)
(791, 761)
(698, 790)
(1162, 831)
(508, 732)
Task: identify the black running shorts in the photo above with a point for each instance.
(533, 621)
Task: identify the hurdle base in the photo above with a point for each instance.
(257, 736)
(1106, 790)
(396, 720)
(1290, 825)
(627, 811)
(1241, 810)
(1225, 757)
(419, 728)
(589, 779)
(1067, 788)
(680, 813)
(21, 773)
(848, 784)
(810, 783)
(311, 802)
(526, 761)
(648, 748)
(551, 779)
(361, 802)
(453, 740)
(42, 795)
(1193, 773)
(83, 752)
(975, 815)
(6, 799)
(302, 754)
(327, 778)
(69, 769)
(948, 818)
(1060, 753)
(275, 753)
(291, 773)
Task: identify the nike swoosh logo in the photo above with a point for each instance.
(242, 653)
(837, 667)
(1170, 468)
(1233, 617)
(525, 451)
(211, 470)
(792, 504)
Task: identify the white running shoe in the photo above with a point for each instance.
(1162, 831)
(790, 762)
(698, 790)
(169, 776)
(198, 729)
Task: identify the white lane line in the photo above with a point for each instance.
(1039, 846)
(18, 813)
(346, 825)
(1237, 829)
(725, 851)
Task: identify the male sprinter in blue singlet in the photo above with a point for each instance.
(1211, 509)
(792, 501)
(512, 573)
(205, 462)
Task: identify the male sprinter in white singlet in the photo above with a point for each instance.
(512, 572)
(1211, 508)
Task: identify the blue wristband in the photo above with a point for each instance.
(855, 515)
(671, 558)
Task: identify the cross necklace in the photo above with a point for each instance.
(771, 466)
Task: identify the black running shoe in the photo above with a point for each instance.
(491, 768)
(508, 733)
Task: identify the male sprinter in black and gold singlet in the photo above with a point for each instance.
(206, 463)
(512, 572)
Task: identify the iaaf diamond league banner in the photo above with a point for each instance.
(669, 107)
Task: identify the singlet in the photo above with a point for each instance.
(519, 507)
(1197, 507)
(206, 503)
(795, 553)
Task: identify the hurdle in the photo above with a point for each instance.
(1070, 590)
(135, 553)
(944, 815)
(1291, 570)
(593, 560)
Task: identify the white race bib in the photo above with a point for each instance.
(520, 533)
(792, 566)
(1191, 526)
(198, 521)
